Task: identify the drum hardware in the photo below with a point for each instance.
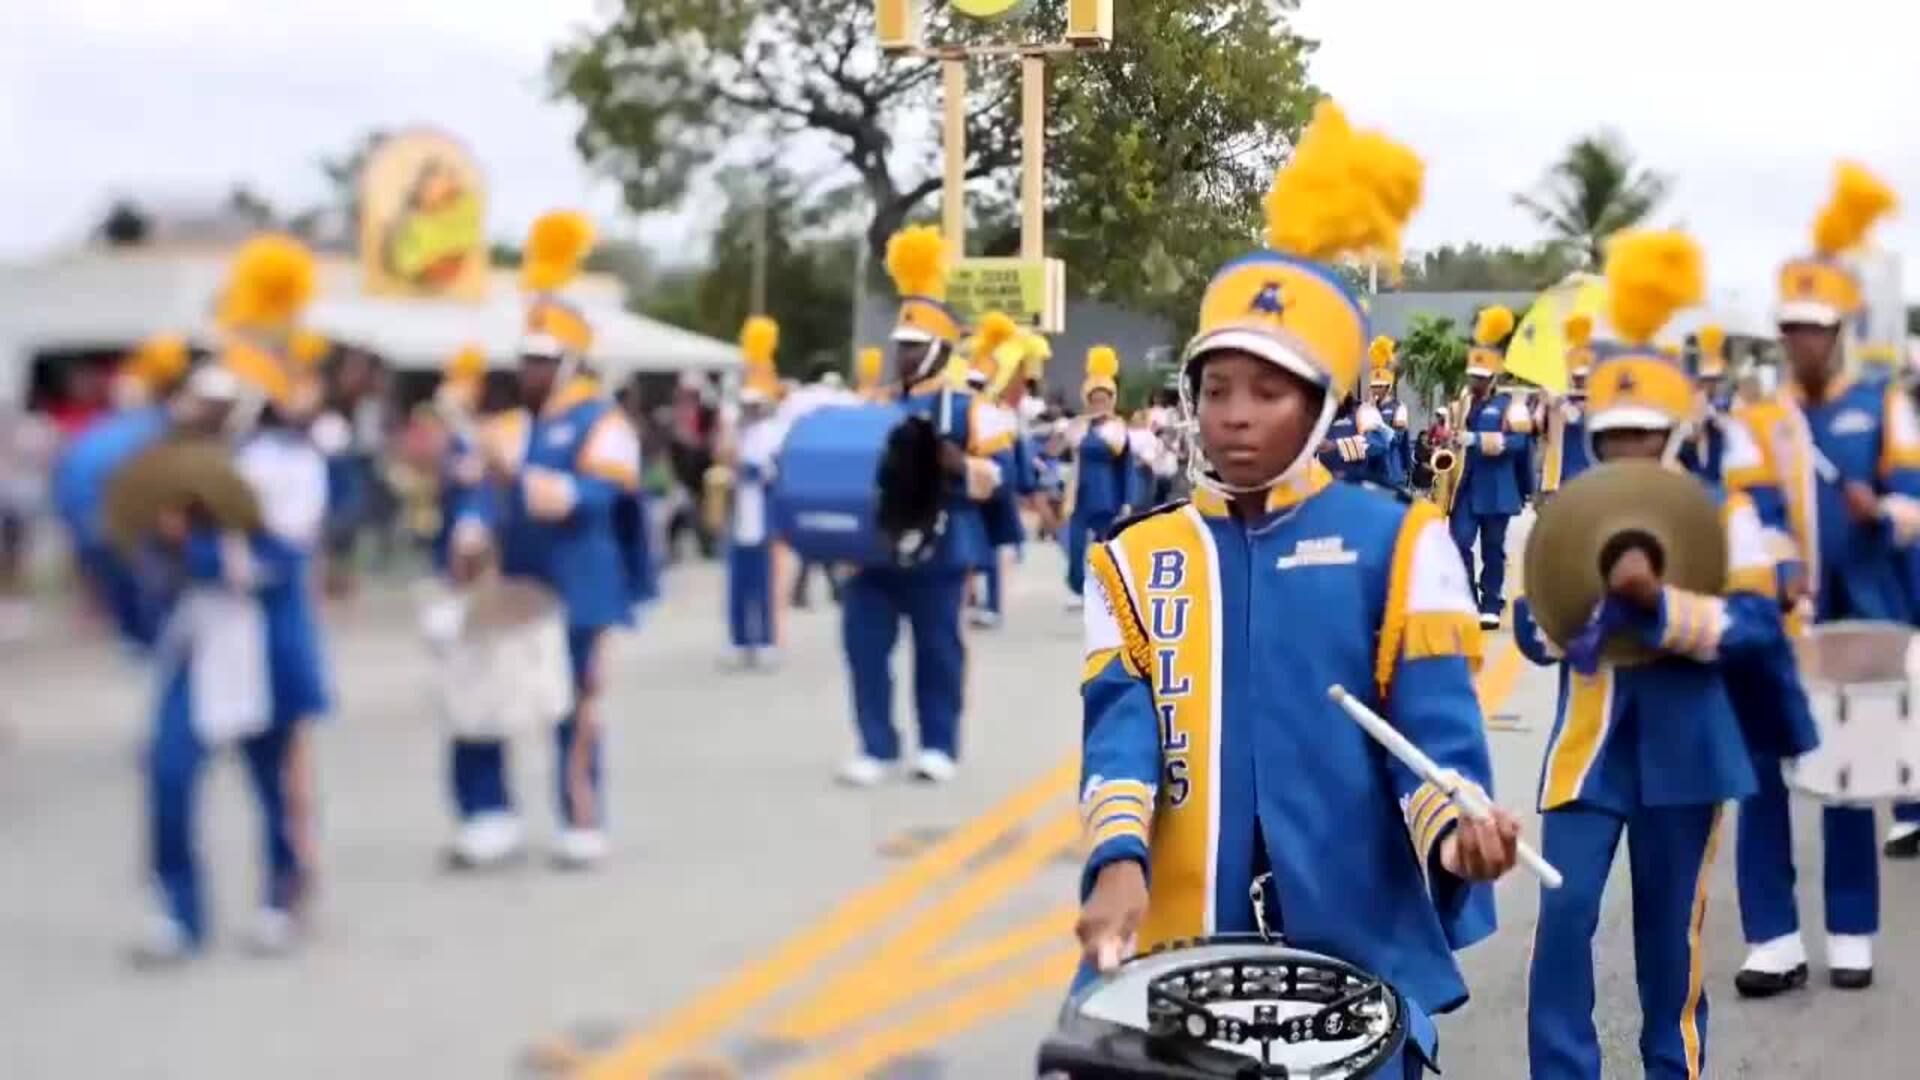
(1859, 680)
(1591, 520)
(502, 665)
(1467, 797)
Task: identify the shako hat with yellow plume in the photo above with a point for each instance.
(269, 284)
(759, 340)
(1650, 276)
(1344, 193)
(158, 364)
(1710, 352)
(467, 366)
(1103, 372)
(1487, 355)
(1578, 330)
(990, 344)
(557, 245)
(917, 262)
(1380, 362)
(1821, 289)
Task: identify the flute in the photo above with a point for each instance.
(1466, 796)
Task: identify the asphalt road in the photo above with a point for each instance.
(754, 919)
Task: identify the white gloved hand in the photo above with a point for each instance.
(983, 476)
(550, 495)
(1493, 443)
(1903, 513)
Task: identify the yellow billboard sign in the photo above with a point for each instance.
(1032, 292)
(423, 219)
(986, 9)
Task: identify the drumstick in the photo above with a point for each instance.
(1465, 796)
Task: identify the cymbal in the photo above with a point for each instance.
(1562, 562)
(190, 473)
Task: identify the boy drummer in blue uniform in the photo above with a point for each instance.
(1652, 752)
(930, 595)
(1211, 755)
(1495, 438)
(1847, 456)
(562, 508)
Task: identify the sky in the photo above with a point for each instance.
(1748, 111)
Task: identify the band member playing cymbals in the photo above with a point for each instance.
(1097, 442)
(1847, 456)
(1654, 750)
(1212, 756)
(1496, 437)
(561, 507)
(929, 595)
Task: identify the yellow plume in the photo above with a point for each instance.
(759, 337)
(557, 244)
(469, 363)
(270, 284)
(866, 369)
(1859, 199)
(1579, 329)
(1380, 353)
(917, 261)
(308, 348)
(1492, 326)
(1102, 362)
(1712, 339)
(160, 360)
(1038, 351)
(1651, 275)
(1345, 192)
(996, 329)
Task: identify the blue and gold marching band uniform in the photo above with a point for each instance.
(1821, 440)
(1496, 435)
(1102, 477)
(1563, 454)
(566, 514)
(752, 606)
(1211, 754)
(1654, 751)
(1357, 445)
(1398, 470)
(235, 640)
(929, 596)
(998, 358)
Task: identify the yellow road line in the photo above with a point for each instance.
(708, 1014)
(1497, 677)
(943, 1021)
(873, 984)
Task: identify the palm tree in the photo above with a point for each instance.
(1596, 189)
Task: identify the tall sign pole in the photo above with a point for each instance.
(1033, 155)
(953, 192)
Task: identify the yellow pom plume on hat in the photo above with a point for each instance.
(867, 367)
(258, 370)
(467, 365)
(1578, 330)
(1820, 289)
(1036, 350)
(759, 338)
(307, 348)
(1103, 370)
(1345, 193)
(1650, 276)
(159, 362)
(1491, 328)
(1712, 341)
(557, 244)
(269, 284)
(997, 331)
(917, 262)
(1380, 360)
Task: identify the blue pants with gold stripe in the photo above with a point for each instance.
(1488, 584)
(1670, 851)
(1764, 859)
(477, 768)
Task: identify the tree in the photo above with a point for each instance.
(1472, 267)
(1433, 358)
(1596, 189)
(1156, 148)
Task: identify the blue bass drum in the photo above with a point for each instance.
(860, 484)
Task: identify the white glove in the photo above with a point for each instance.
(1493, 443)
(550, 495)
(1903, 513)
(983, 476)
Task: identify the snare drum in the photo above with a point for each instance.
(1221, 1007)
(860, 484)
(501, 665)
(1860, 681)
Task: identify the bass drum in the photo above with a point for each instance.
(860, 484)
(1228, 1006)
(501, 665)
(1860, 680)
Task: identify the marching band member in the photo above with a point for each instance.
(997, 358)
(1495, 437)
(562, 507)
(1655, 751)
(929, 596)
(1399, 459)
(1847, 456)
(1212, 759)
(1357, 443)
(238, 647)
(1705, 450)
(458, 401)
(1564, 455)
(751, 620)
(1097, 441)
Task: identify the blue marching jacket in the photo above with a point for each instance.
(1102, 476)
(1664, 733)
(1563, 455)
(1211, 753)
(1358, 442)
(1399, 460)
(956, 414)
(1492, 484)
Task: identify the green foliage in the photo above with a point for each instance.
(1913, 320)
(1474, 267)
(1596, 189)
(1433, 358)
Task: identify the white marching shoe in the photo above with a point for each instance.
(982, 619)
(1772, 967)
(862, 772)
(272, 932)
(1850, 961)
(1489, 621)
(162, 942)
(934, 767)
(487, 840)
(580, 849)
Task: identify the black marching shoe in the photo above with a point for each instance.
(1766, 984)
(1850, 978)
(1903, 847)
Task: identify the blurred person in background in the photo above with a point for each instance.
(351, 432)
(27, 444)
(86, 388)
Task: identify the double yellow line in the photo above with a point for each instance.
(902, 968)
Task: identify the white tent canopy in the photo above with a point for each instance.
(103, 299)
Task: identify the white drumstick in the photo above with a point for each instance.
(1466, 796)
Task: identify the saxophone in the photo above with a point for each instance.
(1447, 463)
